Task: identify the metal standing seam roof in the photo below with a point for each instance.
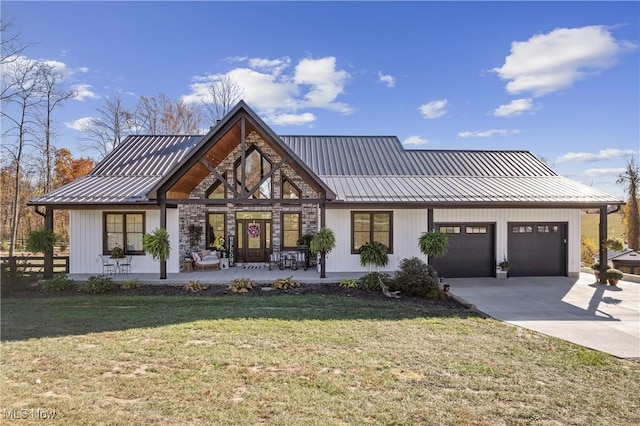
(356, 168)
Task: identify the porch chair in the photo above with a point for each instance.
(125, 265)
(205, 259)
(108, 267)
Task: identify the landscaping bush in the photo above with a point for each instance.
(98, 285)
(129, 284)
(57, 284)
(349, 283)
(285, 283)
(241, 285)
(372, 281)
(195, 286)
(416, 278)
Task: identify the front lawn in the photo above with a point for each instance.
(296, 360)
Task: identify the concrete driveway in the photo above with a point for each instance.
(579, 310)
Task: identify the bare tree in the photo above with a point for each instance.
(22, 90)
(52, 98)
(631, 181)
(11, 46)
(160, 115)
(224, 94)
(105, 132)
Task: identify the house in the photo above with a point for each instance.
(627, 260)
(261, 192)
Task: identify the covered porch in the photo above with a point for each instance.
(259, 275)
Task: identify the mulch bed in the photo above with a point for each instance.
(221, 290)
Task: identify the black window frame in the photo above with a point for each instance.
(371, 226)
(285, 179)
(282, 215)
(107, 250)
(237, 173)
(208, 240)
(215, 186)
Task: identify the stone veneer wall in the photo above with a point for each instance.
(196, 213)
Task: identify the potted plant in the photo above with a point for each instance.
(433, 244)
(117, 252)
(596, 270)
(323, 242)
(613, 276)
(374, 253)
(303, 246)
(504, 265)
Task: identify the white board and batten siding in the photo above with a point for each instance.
(86, 242)
(409, 224)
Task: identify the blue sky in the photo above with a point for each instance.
(559, 79)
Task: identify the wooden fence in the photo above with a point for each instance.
(32, 265)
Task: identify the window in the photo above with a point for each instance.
(216, 228)
(476, 229)
(371, 226)
(520, 229)
(449, 229)
(289, 190)
(123, 230)
(545, 229)
(256, 167)
(217, 191)
(291, 230)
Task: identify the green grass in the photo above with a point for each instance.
(591, 226)
(297, 360)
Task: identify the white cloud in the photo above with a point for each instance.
(487, 133)
(596, 173)
(415, 140)
(433, 109)
(550, 62)
(293, 119)
(83, 91)
(79, 124)
(389, 80)
(588, 157)
(516, 107)
(279, 92)
(83, 70)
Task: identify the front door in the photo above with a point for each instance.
(254, 240)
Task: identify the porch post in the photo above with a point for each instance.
(430, 227)
(48, 255)
(602, 246)
(243, 157)
(163, 224)
(323, 220)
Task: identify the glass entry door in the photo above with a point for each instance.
(253, 237)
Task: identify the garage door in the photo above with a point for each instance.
(537, 249)
(471, 251)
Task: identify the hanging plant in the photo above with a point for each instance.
(323, 241)
(374, 253)
(41, 241)
(433, 244)
(156, 244)
(253, 230)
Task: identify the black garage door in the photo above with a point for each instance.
(537, 249)
(471, 251)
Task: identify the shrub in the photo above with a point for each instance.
(195, 286)
(57, 284)
(129, 284)
(613, 274)
(416, 278)
(241, 285)
(348, 283)
(97, 285)
(373, 280)
(285, 283)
